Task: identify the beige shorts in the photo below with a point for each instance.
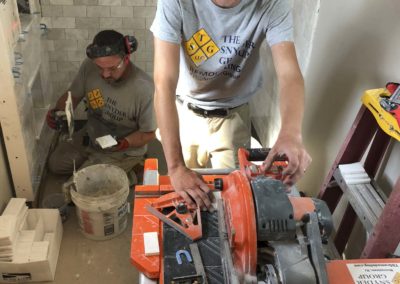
(213, 141)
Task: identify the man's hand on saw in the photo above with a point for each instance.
(298, 158)
(191, 187)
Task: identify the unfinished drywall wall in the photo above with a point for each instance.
(265, 108)
(354, 49)
(72, 25)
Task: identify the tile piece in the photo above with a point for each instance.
(151, 246)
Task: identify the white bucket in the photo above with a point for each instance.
(100, 195)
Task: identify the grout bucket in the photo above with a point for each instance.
(100, 195)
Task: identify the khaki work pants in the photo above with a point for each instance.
(213, 141)
(61, 160)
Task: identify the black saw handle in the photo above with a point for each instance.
(260, 154)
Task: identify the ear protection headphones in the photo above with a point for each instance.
(127, 45)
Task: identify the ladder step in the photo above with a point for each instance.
(364, 199)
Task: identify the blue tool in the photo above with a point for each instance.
(179, 258)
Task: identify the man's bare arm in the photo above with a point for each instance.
(166, 72)
(291, 93)
(139, 138)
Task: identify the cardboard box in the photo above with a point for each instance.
(48, 227)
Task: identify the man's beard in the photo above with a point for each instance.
(110, 80)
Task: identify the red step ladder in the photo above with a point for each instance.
(385, 234)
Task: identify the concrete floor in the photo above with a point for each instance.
(82, 260)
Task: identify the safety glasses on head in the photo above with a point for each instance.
(113, 68)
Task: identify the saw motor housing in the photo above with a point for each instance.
(266, 234)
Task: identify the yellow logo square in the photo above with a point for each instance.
(96, 93)
(210, 49)
(191, 46)
(93, 104)
(200, 47)
(201, 37)
(199, 57)
(100, 102)
(95, 99)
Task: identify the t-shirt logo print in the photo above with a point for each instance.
(95, 99)
(200, 47)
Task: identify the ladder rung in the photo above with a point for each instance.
(367, 202)
(364, 199)
(374, 190)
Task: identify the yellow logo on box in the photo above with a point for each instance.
(95, 99)
(396, 278)
(200, 47)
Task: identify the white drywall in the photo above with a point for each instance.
(355, 48)
(265, 106)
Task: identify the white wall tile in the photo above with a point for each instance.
(98, 11)
(68, 66)
(86, 2)
(78, 34)
(149, 22)
(57, 55)
(121, 11)
(76, 25)
(74, 11)
(147, 12)
(55, 34)
(149, 67)
(53, 66)
(51, 11)
(149, 45)
(137, 33)
(62, 2)
(92, 33)
(50, 45)
(83, 43)
(151, 3)
(65, 44)
(133, 2)
(60, 88)
(144, 55)
(110, 23)
(134, 23)
(77, 55)
(140, 64)
(63, 22)
(87, 23)
(60, 76)
(46, 21)
(110, 2)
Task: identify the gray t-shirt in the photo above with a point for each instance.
(220, 48)
(116, 109)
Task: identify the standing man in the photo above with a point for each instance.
(207, 58)
(119, 99)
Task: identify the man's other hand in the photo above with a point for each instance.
(298, 158)
(122, 145)
(51, 118)
(191, 187)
